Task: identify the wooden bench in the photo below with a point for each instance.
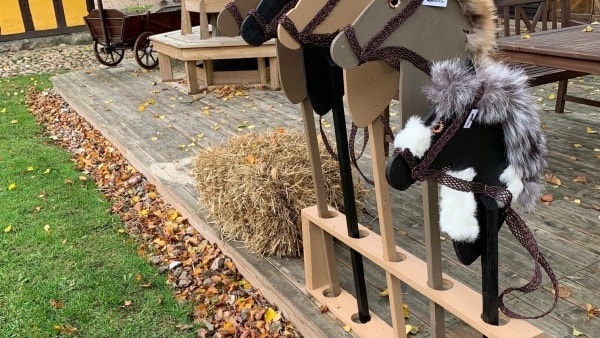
(540, 15)
(195, 44)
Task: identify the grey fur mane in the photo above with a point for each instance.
(506, 100)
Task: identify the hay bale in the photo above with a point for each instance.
(255, 185)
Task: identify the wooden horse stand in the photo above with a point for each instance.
(426, 277)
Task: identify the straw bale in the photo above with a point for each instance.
(255, 185)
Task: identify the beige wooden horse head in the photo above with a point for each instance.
(342, 13)
(230, 19)
(462, 28)
(434, 32)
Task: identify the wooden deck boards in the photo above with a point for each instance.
(161, 141)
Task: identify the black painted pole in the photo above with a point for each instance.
(325, 89)
(341, 136)
(489, 259)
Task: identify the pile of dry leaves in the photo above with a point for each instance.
(225, 304)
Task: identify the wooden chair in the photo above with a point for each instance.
(202, 8)
(535, 15)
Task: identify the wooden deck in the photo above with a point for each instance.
(161, 141)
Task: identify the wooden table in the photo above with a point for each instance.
(565, 48)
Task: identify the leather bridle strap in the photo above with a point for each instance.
(270, 29)
(393, 54)
(235, 12)
(306, 36)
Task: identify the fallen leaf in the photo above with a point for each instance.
(577, 201)
(8, 229)
(580, 179)
(47, 228)
(127, 303)
(347, 328)
(141, 108)
(56, 303)
(592, 311)
(588, 29)
(525, 36)
(323, 308)
(410, 329)
(551, 97)
(563, 291)
(547, 198)
(12, 186)
(272, 315)
(405, 311)
(384, 293)
(576, 333)
(589, 130)
(552, 179)
(14, 121)
(577, 145)
(249, 159)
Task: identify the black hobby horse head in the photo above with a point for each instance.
(261, 23)
(499, 142)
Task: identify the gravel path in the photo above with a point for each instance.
(61, 57)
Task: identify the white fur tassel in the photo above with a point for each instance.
(458, 210)
(415, 136)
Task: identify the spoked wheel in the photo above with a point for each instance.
(145, 55)
(108, 56)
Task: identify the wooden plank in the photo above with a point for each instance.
(110, 97)
(300, 310)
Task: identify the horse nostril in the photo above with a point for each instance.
(393, 3)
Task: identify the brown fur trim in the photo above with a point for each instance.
(481, 41)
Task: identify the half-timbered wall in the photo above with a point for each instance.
(21, 19)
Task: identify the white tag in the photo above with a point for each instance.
(436, 3)
(470, 118)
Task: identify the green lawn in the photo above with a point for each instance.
(66, 266)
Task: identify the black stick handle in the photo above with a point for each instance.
(489, 259)
(339, 124)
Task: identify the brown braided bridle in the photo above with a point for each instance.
(393, 54)
(235, 12)
(270, 28)
(306, 35)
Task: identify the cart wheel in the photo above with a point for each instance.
(108, 56)
(145, 55)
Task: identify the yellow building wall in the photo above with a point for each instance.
(42, 14)
(11, 21)
(75, 10)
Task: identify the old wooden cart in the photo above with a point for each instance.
(113, 32)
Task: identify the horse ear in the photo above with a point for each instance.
(430, 117)
(397, 173)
